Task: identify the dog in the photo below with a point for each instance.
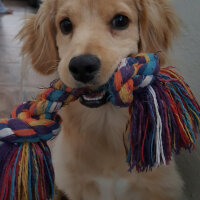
(84, 40)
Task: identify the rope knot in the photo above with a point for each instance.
(131, 75)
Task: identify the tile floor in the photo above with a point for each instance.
(18, 82)
(10, 61)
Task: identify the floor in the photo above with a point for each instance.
(11, 80)
(18, 82)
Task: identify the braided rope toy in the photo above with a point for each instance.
(164, 118)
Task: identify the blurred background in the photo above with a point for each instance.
(18, 82)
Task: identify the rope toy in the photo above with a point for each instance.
(164, 118)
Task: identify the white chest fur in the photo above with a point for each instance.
(115, 189)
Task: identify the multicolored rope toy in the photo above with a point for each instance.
(164, 118)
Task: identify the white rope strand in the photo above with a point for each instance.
(158, 138)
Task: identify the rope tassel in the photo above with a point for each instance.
(164, 117)
(164, 114)
(26, 172)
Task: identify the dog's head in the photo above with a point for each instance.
(85, 39)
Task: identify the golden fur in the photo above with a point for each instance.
(88, 155)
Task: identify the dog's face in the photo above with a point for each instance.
(92, 36)
(85, 39)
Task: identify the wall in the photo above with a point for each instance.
(186, 55)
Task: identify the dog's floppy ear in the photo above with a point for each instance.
(158, 25)
(38, 37)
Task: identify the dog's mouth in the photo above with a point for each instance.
(95, 99)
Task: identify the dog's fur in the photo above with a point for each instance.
(89, 156)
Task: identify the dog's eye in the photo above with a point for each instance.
(120, 22)
(66, 26)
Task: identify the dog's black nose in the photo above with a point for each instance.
(84, 67)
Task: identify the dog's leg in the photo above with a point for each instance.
(163, 183)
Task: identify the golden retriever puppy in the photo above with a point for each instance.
(84, 40)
